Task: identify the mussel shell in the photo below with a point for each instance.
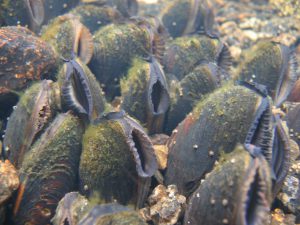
(35, 110)
(80, 90)
(127, 7)
(33, 13)
(49, 171)
(273, 65)
(146, 94)
(187, 92)
(70, 209)
(113, 214)
(117, 160)
(237, 192)
(185, 53)
(182, 17)
(280, 163)
(24, 58)
(230, 115)
(95, 17)
(115, 46)
(69, 36)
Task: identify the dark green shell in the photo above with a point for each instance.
(112, 214)
(185, 53)
(145, 94)
(68, 36)
(49, 171)
(24, 58)
(95, 17)
(182, 17)
(117, 156)
(236, 192)
(191, 89)
(273, 65)
(33, 13)
(115, 46)
(80, 87)
(230, 115)
(35, 110)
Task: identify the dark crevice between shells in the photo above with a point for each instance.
(158, 98)
(280, 156)
(255, 205)
(259, 133)
(288, 75)
(76, 91)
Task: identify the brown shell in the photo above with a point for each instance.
(24, 58)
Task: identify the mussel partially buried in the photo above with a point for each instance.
(35, 110)
(116, 45)
(191, 89)
(49, 171)
(273, 65)
(185, 53)
(117, 160)
(68, 36)
(230, 115)
(146, 94)
(236, 192)
(183, 17)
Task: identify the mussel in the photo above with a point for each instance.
(185, 53)
(24, 58)
(236, 192)
(146, 94)
(117, 160)
(273, 65)
(116, 45)
(183, 17)
(49, 171)
(230, 115)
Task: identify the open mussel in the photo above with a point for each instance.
(117, 160)
(230, 115)
(33, 13)
(273, 65)
(185, 53)
(24, 58)
(146, 94)
(49, 171)
(116, 45)
(186, 93)
(236, 192)
(69, 36)
(34, 112)
(183, 17)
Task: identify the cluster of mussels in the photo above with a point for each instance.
(91, 91)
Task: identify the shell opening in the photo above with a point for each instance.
(157, 95)
(255, 202)
(36, 11)
(138, 146)
(260, 133)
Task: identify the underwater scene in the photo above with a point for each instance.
(149, 112)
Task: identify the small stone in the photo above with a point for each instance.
(224, 202)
